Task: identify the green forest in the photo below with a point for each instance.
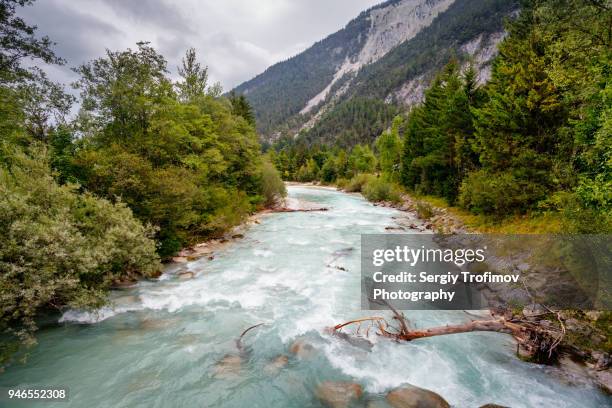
(101, 188)
(281, 92)
(535, 139)
(146, 167)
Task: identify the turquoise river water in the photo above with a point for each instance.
(160, 343)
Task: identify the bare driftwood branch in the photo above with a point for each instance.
(285, 209)
(539, 342)
(239, 340)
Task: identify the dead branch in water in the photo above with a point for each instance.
(285, 209)
(539, 342)
(239, 340)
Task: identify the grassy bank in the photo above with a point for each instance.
(376, 188)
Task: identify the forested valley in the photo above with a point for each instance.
(164, 242)
(534, 141)
(146, 167)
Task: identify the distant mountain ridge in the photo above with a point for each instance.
(389, 54)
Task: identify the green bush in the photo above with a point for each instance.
(355, 185)
(578, 216)
(59, 248)
(498, 194)
(273, 188)
(377, 189)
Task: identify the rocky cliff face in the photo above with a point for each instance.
(390, 53)
(390, 25)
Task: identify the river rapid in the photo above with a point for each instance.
(159, 346)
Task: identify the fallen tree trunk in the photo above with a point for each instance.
(499, 325)
(496, 325)
(538, 343)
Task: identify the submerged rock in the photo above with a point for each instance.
(377, 404)
(302, 349)
(277, 364)
(338, 394)
(410, 396)
(358, 342)
(157, 324)
(228, 367)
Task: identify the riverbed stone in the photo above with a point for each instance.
(277, 364)
(228, 367)
(186, 275)
(410, 396)
(157, 324)
(377, 404)
(338, 394)
(604, 380)
(302, 349)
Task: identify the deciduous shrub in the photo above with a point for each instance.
(59, 248)
(377, 189)
(355, 185)
(273, 188)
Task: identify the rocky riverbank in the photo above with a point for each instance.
(584, 352)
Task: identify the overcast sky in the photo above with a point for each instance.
(237, 39)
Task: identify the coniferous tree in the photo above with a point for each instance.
(242, 107)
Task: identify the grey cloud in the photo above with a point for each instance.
(172, 47)
(237, 39)
(78, 35)
(155, 12)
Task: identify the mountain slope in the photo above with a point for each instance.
(388, 53)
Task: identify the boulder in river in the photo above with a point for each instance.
(185, 275)
(410, 396)
(603, 379)
(338, 394)
(358, 342)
